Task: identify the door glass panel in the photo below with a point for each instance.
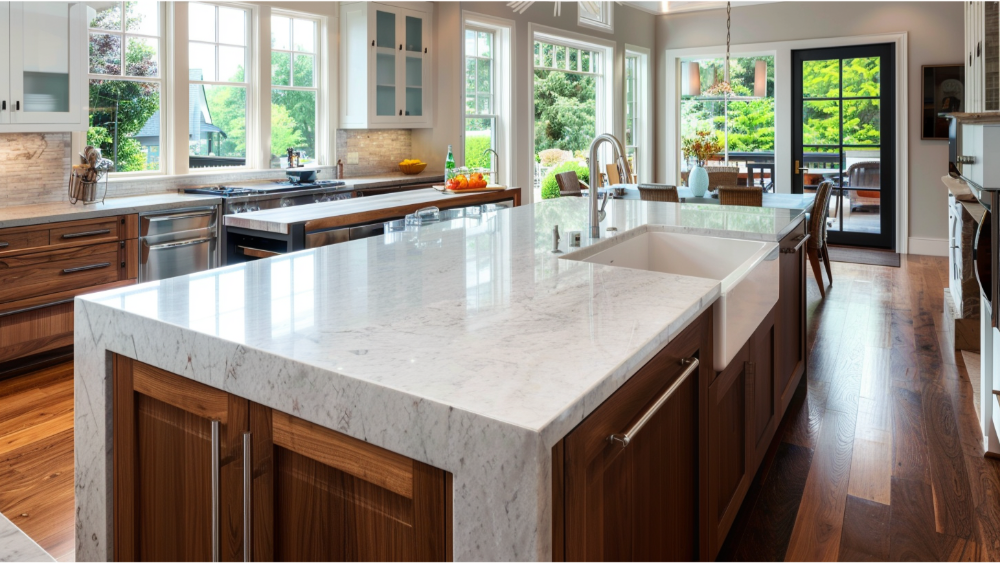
(862, 122)
(414, 101)
(860, 205)
(821, 123)
(46, 57)
(385, 30)
(861, 77)
(414, 72)
(414, 34)
(821, 79)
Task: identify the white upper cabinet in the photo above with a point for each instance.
(385, 65)
(42, 74)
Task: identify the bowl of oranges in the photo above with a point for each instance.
(412, 166)
(472, 181)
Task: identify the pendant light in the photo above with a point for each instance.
(760, 78)
(724, 88)
(690, 78)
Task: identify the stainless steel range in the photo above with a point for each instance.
(241, 198)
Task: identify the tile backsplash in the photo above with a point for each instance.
(34, 168)
(379, 150)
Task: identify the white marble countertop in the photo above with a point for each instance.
(280, 219)
(15, 545)
(466, 345)
(23, 215)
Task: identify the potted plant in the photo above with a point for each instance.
(700, 147)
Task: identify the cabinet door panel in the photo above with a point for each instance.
(163, 466)
(764, 419)
(45, 62)
(5, 94)
(789, 321)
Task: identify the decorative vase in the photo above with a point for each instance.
(698, 180)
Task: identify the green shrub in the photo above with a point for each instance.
(475, 143)
(550, 188)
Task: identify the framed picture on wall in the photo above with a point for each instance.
(943, 90)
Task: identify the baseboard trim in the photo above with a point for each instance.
(928, 246)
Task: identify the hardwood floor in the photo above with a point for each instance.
(36, 457)
(878, 459)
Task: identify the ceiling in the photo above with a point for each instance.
(679, 6)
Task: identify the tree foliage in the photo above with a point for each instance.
(565, 110)
(294, 125)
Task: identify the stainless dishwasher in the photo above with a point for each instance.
(177, 242)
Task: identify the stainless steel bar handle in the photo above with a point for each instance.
(87, 233)
(4, 244)
(215, 489)
(175, 217)
(85, 268)
(627, 436)
(178, 244)
(802, 240)
(247, 482)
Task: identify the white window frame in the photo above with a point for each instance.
(643, 136)
(603, 19)
(502, 83)
(78, 140)
(252, 84)
(319, 85)
(605, 119)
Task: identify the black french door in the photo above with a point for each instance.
(844, 131)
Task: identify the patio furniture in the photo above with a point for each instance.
(866, 174)
(817, 235)
(722, 176)
(570, 184)
(745, 196)
(766, 182)
(658, 192)
(614, 177)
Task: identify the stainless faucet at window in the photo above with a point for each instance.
(494, 164)
(623, 166)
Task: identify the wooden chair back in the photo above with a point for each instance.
(569, 184)
(658, 192)
(613, 176)
(722, 176)
(747, 197)
(820, 212)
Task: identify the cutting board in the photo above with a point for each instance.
(488, 188)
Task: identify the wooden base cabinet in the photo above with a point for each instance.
(790, 317)
(202, 475)
(628, 480)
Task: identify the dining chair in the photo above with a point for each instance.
(816, 246)
(866, 174)
(613, 176)
(722, 176)
(658, 192)
(746, 196)
(570, 185)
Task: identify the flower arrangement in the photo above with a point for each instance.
(702, 146)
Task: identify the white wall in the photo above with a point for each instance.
(632, 26)
(934, 36)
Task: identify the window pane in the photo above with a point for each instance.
(821, 79)
(217, 130)
(559, 59)
(130, 109)
(470, 43)
(201, 22)
(574, 57)
(281, 72)
(470, 75)
(105, 15)
(201, 61)
(821, 123)
(470, 104)
(479, 136)
(293, 125)
(861, 77)
(485, 44)
(305, 35)
(105, 54)
(304, 68)
(233, 31)
(232, 61)
(485, 104)
(538, 54)
(142, 57)
(547, 54)
(585, 61)
(484, 76)
(142, 17)
(281, 29)
(862, 122)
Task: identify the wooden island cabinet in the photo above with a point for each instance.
(203, 475)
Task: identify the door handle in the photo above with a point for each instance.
(801, 240)
(797, 169)
(215, 490)
(247, 481)
(627, 436)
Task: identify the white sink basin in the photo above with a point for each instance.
(748, 271)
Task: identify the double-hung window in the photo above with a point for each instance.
(125, 83)
(294, 88)
(480, 101)
(219, 79)
(638, 137)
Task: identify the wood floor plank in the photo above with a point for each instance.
(816, 535)
(909, 451)
(871, 465)
(866, 531)
(953, 505)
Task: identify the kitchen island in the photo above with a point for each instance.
(453, 362)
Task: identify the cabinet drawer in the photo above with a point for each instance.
(10, 241)
(52, 271)
(89, 233)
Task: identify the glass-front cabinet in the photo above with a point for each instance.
(384, 70)
(41, 67)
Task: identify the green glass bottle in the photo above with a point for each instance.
(449, 165)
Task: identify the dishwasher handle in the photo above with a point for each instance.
(176, 217)
(167, 245)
